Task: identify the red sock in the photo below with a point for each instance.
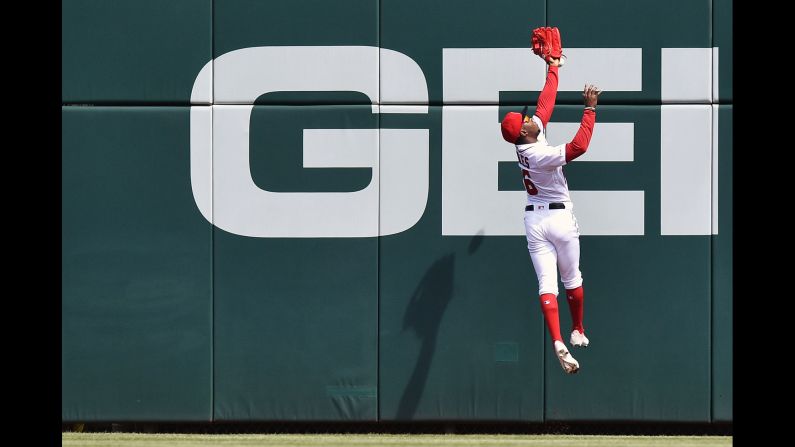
(575, 307)
(549, 307)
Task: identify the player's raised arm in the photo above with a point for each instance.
(582, 139)
(546, 43)
(546, 100)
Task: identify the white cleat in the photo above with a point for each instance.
(578, 339)
(568, 363)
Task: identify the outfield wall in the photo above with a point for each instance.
(303, 210)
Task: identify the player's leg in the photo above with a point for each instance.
(567, 245)
(575, 298)
(544, 262)
(544, 258)
(545, 266)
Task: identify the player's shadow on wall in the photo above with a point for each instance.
(423, 316)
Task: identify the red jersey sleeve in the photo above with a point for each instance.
(546, 100)
(579, 144)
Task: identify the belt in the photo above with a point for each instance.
(552, 206)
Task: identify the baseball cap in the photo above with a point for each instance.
(512, 125)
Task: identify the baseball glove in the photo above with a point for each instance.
(546, 43)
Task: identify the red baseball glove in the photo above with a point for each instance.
(546, 43)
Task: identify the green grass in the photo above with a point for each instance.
(181, 440)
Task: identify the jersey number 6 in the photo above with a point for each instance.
(528, 184)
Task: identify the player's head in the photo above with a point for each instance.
(516, 125)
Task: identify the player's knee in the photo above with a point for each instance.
(548, 287)
(572, 282)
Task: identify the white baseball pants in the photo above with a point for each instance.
(553, 240)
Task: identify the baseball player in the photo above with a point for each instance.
(553, 237)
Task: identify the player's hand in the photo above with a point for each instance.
(554, 61)
(590, 95)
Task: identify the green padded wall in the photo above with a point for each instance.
(296, 319)
(642, 24)
(421, 30)
(722, 37)
(722, 274)
(136, 265)
(133, 51)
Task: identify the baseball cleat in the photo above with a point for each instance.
(568, 363)
(578, 339)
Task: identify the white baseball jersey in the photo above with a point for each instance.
(542, 168)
